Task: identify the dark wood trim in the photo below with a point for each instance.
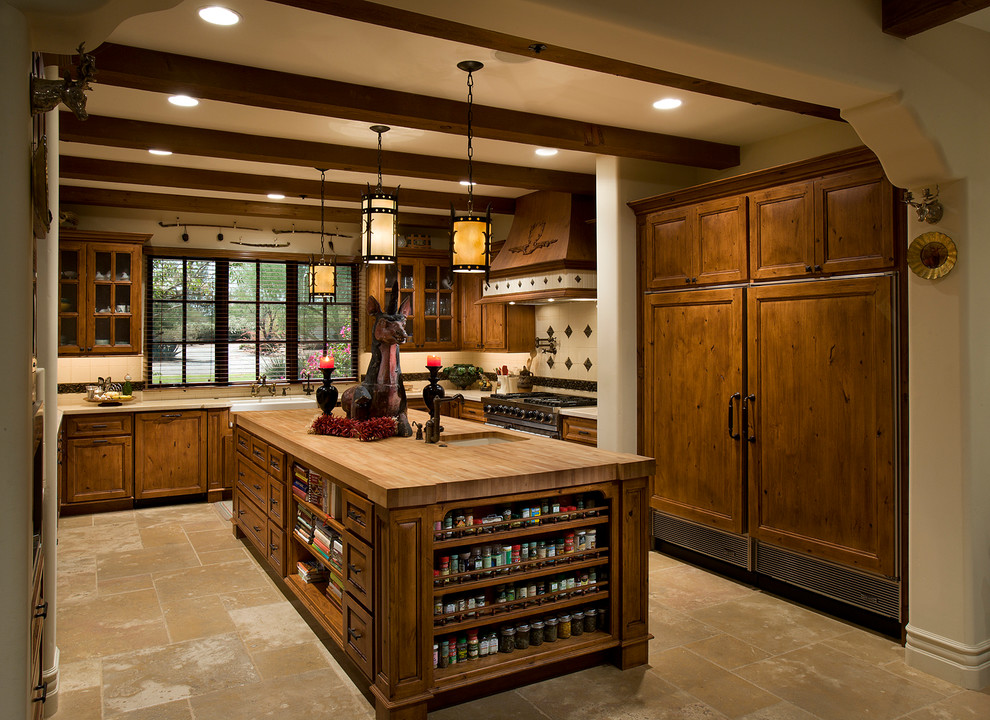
(386, 16)
(260, 254)
(80, 168)
(904, 18)
(141, 135)
(163, 72)
(74, 195)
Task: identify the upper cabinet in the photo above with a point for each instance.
(493, 326)
(99, 292)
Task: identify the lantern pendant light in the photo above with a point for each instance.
(322, 274)
(379, 217)
(470, 235)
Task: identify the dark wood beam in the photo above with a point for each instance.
(79, 168)
(155, 71)
(138, 134)
(904, 18)
(386, 16)
(74, 195)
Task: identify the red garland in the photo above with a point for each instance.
(364, 430)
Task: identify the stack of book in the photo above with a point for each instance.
(304, 525)
(314, 492)
(300, 481)
(312, 572)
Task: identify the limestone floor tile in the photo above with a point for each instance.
(771, 624)
(73, 521)
(178, 710)
(867, 646)
(93, 541)
(212, 557)
(109, 625)
(671, 628)
(292, 660)
(72, 587)
(836, 686)
(688, 588)
(943, 687)
(504, 706)
(215, 523)
(965, 705)
(218, 539)
(141, 679)
(267, 627)
(79, 675)
(659, 561)
(727, 652)
(190, 513)
(196, 617)
(140, 562)
(79, 705)
(713, 685)
(121, 517)
(114, 586)
(263, 595)
(780, 711)
(163, 534)
(227, 578)
(309, 695)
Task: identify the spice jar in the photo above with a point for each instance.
(590, 620)
(591, 538)
(462, 645)
(507, 639)
(536, 633)
(577, 623)
(603, 620)
(444, 654)
(436, 655)
(522, 636)
(472, 645)
(550, 629)
(564, 627)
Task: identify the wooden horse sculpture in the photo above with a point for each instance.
(381, 394)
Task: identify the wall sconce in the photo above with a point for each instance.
(929, 209)
(379, 214)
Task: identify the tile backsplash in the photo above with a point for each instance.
(574, 325)
(88, 369)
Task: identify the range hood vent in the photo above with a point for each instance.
(549, 253)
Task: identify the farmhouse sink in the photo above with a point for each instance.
(296, 402)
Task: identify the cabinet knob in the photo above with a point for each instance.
(807, 268)
(353, 568)
(354, 633)
(818, 268)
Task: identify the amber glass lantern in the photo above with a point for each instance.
(322, 273)
(470, 235)
(379, 217)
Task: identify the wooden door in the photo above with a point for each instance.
(72, 301)
(493, 327)
(781, 232)
(855, 219)
(669, 239)
(721, 241)
(170, 454)
(114, 300)
(217, 428)
(438, 309)
(470, 287)
(821, 468)
(98, 468)
(693, 369)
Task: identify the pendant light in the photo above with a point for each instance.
(379, 217)
(322, 274)
(470, 235)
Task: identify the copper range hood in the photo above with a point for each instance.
(550, 251)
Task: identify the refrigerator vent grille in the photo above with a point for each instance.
(725, 546)
(869, 592)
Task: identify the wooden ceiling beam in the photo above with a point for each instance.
(155, 71)
(75, 195)
(904, 18)
(141, 135)
(398, 19)
(79, 168)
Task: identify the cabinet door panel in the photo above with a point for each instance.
(822, 467)
(670, 249)
(722, 241)
(98, 469)
(471, 315)
(694, 346)
(855, 218)
(781, 232)
(170, 456)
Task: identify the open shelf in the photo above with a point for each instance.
(493, 617)
(334, 524)
(548, 524)
(312, 595)
(523, 571)
(316, 556)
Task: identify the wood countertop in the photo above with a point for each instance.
(404, 472)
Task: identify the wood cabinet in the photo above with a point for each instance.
(170, 454)
(218, 452)
(579, 430)
(99, 458)
(100, 292)
(472, 410)
(696, 244)
(260, 497)
(493, 326)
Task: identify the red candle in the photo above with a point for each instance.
(432, 361)
(326, 362)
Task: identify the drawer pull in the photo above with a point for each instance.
(583, 432)
(256, 486)
(41, 611)
(353, 568)
(257, 454)
(100, 442)
(172, 415)
(240, 473)
(356, 517)
(274, 501)
(256, 528)
(101, 426)
(354, 633)
(241, 512)
(273, 547)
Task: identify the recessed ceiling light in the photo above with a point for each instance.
(667, 104)
(183, 101)
(218, 15)
(276, 196)
(155, 151)
(550, 300)
(546, 152)
(465, 183)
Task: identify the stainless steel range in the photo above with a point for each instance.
(533, 412)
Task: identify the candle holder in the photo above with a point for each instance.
(432, 391)
(326, 394)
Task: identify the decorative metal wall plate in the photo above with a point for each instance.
(931, 255)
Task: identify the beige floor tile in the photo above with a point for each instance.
(190, 513)
(213, 557)
(178, 710)
(79, 705)
(966, 705)
(727, 652)
(687, 588)
(216, 523)
(197, 617)
(228, 578)
(122, 517)
(293, 660)
(773, 625)
(263, 595)
(943, 687)
(141, 679)
(713, 685)
(79, 675)
(288, 697)
(140, 562)
(218, 539)
(836, 686)
(96, 540)
(504, 706)
(115, 586)
(780, 711)
(109, 625)
(267, 627)
(671, 628)
(867, 646)
(164, 534)
(74, 521)
(73, 587)
(659, 561)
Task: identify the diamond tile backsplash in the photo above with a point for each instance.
(573, 324)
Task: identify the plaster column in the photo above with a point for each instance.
(15, 365)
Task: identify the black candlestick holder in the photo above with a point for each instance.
(326, 394)
(433, 390)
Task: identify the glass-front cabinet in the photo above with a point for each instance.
(99, 293)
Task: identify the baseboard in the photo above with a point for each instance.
(965, 665)
(50, 678)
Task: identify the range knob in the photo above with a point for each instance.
(488, 407)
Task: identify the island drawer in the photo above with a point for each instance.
(276, 502)
(276, 463)
(276, 550)
(359, 570)
(580, 430)
(252, 481)
(358, 514)
(471, 410)
(357, 636)
(109, 424)
(242, 440)
(251, 521)
(258, 452)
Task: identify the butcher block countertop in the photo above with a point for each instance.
(404, 472)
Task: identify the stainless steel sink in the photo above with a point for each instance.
(480, 438)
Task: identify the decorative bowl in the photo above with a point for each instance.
(463, 375)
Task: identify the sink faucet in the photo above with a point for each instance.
(257, 385)
(272, 388)
(433, 428)
(307, 377)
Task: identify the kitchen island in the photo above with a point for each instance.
(433, 553)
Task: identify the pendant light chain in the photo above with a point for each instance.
(470, 149)
(379, 161)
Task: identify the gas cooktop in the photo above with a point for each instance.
(546, 399)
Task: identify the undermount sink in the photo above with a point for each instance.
(277, 402)
(480, 438)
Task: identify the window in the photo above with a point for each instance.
(222, 321)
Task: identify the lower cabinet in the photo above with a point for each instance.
(579, 430)
(218, 450)
(259, 497)
(170, 454)
(98, 458)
